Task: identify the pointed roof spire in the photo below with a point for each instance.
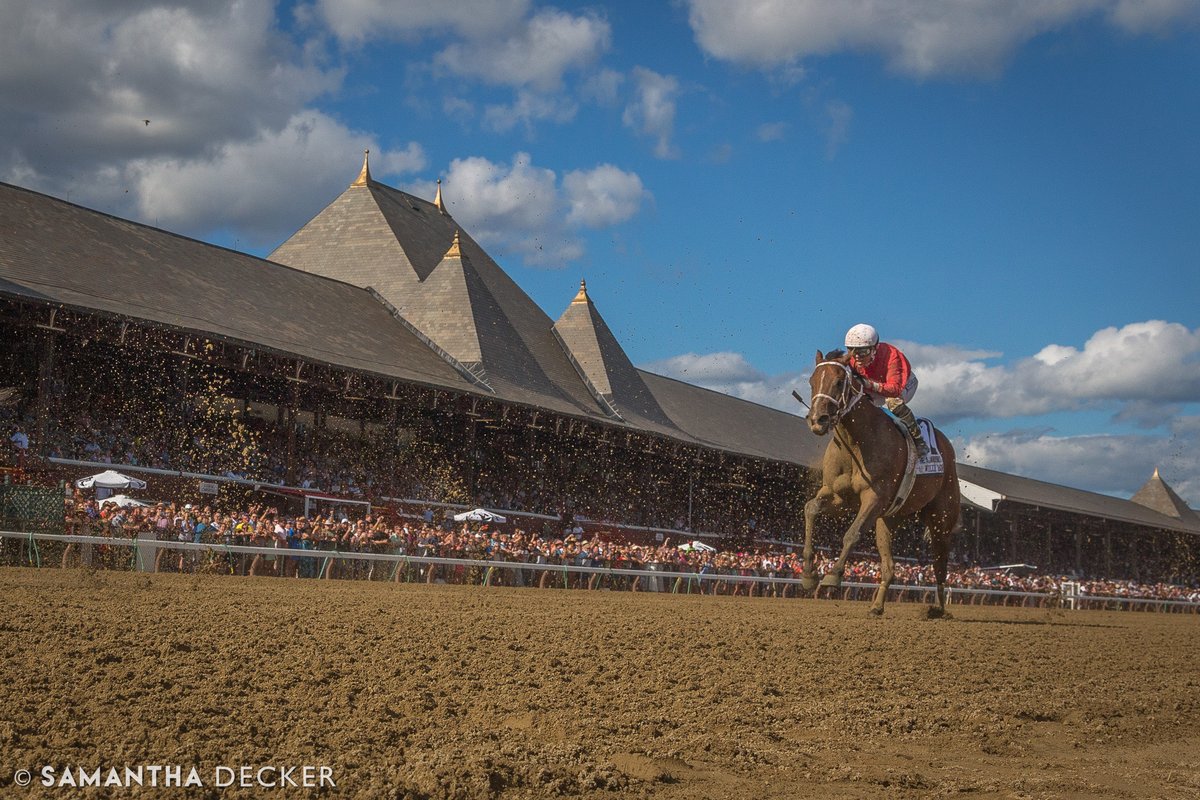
(455, 250)
(582, 297)
(364, 177)
(437, 200)
(602, 364)
(1156, 495)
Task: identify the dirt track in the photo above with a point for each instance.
(443, 691)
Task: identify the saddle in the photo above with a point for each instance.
(930, 464)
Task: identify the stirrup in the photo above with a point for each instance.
(919, 441)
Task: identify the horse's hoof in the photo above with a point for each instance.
(808, 582)
(934, 612)
(876, 611)
(832, 579)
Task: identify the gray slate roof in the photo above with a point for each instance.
(1063, 498)
(718, 420)
(1156, 495)
(602, 363)
(61, 253)
(376, 236)
(373, 236)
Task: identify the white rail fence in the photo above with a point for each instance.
(146, 554)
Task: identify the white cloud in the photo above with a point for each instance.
(1153, 16)
(602, 87)
(355, 21)
(1145, 373)
(935, 37)
(602, 196)
(265, 183)
(537, 54)
(496, 43)
(652, 112)
(771, 131)
(1143, 364)
(708, 369)
(1155, 360)
(519, 208)
(1110, 464)
(81, 79)
(731, 374)
(528, 108)
(95, 97)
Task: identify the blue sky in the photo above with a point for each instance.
(1010, 190)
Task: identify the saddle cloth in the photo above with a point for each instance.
(930, 464)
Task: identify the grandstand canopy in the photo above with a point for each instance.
(57, 254)
(390, 286)
(986, 489)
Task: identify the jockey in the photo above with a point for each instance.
(888, 377)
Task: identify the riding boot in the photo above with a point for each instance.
(905, 415)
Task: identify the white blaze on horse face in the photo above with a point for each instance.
(841, 392)
(825, 392)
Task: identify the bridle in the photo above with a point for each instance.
(852, 392)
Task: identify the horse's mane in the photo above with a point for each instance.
(835, 355)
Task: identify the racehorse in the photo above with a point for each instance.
(864, 466)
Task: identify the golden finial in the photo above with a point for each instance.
(364, 177)
(455, 250)
(582, 297)
(437, 200)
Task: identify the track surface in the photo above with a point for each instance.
(445, 691)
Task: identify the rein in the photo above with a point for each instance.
(852, 392)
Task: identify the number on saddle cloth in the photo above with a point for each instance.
(930, 464)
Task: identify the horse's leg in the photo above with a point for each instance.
(812, 509)
(940, 523)
(940, 539)
(887, 567)
(868, 512)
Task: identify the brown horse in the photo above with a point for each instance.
(864, 467)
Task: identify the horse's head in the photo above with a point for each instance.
(835, 389)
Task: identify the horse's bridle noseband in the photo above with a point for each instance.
(851, 392)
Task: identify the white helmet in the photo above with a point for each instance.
(861, 335)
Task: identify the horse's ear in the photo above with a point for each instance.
(820, 357)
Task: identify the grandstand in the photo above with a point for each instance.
(381, 326)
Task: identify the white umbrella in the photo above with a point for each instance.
(125, 501)
(479, 515)
(110, 479)
(688, 547)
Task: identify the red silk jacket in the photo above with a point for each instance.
(890, 369)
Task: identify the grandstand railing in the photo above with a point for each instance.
(144, 554)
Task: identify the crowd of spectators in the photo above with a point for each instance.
(218, 436)
(161, 426)
(424, 535)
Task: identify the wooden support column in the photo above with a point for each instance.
(49, 336)
(472, 465)
(1108, 551)
(978, 534)
(290, 464)
(1049, 547)
(691, 487)
(1079, 549)
(393, 436)
(1135, 553)
(319, 438)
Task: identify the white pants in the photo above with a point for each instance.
(906, 394)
